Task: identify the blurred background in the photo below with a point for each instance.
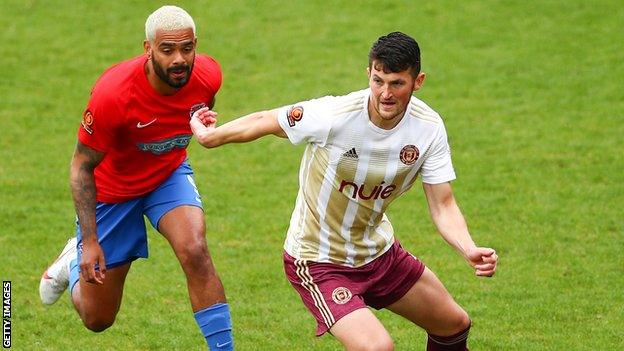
(531, 95)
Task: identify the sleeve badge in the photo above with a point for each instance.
(294, 115)
(87, 122)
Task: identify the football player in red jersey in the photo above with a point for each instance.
(130, 161)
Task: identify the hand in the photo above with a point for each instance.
(92, 255)
(484, 260)
(203, 120)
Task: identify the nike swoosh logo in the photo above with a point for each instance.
(224, 344)
(143, 125)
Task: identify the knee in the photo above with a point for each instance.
(383, 345)
(454, 323)
(379, 344)
(98, 324)
(195, 256)
(462, 322)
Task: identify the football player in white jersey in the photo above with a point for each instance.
(363, 151)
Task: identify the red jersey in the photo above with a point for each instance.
(143, 134)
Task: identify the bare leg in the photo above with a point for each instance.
(360, 330)
(98, 305)
(184, 228)
(429, 305)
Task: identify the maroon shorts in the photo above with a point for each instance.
(332, 291)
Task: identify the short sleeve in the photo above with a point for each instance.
(437, 167)
(308, 121)
(99, 120)
(208, 72)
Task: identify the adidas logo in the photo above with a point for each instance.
(351, 153)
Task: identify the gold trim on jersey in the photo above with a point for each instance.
(336, 213)
(351, 105)
(310, 226)
(421, 112)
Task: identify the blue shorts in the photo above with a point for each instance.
(121, 228)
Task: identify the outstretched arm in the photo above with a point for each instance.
(450, 222)
(82, 181)
(243, 129)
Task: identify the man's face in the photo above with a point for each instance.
(173, 54)
(390, 94)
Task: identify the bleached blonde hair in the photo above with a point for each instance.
(167, 18)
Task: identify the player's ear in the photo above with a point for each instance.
(368, 71)
(148, 48)
(420, 79)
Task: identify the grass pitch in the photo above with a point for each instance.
(531, 93)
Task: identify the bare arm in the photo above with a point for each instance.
(82, 182)
(240, 130)
(450, 222)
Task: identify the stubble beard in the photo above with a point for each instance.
(164, 74)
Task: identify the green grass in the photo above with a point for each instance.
(531, 93)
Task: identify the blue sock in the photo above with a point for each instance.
(74, 275)
(216, 325)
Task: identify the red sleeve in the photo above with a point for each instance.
(218, 77)
(209, 73)
(100, 120)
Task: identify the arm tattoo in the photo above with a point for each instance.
(83, 186)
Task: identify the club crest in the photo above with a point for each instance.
(341, 295)
(409, 154)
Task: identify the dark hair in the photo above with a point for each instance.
(396, 52)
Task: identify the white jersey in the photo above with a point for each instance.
(351, 170)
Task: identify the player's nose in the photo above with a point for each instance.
(178, 58)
